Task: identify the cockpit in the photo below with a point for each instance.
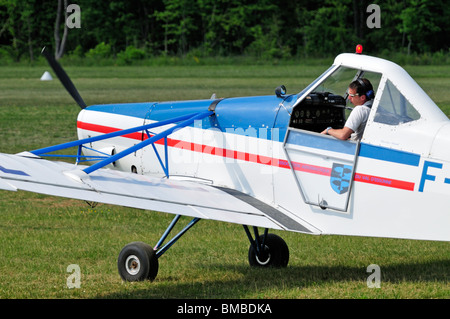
(327, 105)
(400, 114)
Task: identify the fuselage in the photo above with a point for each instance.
(269, 147)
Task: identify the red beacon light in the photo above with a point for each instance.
(359, 49)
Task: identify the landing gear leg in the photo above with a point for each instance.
(138, 261)
(267, 250)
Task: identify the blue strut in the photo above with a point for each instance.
(186, 120)
(149, 141)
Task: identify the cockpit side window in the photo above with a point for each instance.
(394, 108)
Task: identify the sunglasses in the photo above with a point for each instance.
(353, 95)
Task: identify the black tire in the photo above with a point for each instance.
(137, 262)
(275, 254)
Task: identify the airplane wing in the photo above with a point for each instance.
(29, 172)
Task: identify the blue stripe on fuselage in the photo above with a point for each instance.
(248, 116)
(139, 110)
(366, 150)
(389, 155)
(321, 142)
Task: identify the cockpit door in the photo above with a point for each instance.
(323, 167)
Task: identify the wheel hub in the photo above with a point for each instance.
(132, 265)
(264, 257)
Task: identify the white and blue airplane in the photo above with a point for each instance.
(261, 162)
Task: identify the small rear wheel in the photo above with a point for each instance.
(137, 262)
(274, 253)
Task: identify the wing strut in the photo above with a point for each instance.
(161, 250)
(185, 120)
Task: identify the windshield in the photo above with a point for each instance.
(338, 82)
(318, 80)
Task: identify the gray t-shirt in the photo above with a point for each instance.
(358, 119)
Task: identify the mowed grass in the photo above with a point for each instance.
(40, 236)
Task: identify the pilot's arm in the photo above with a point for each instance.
(342, 133)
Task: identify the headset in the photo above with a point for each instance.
(369, 93)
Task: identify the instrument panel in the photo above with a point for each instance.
(319, 111)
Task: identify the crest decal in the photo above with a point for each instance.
(340, 178)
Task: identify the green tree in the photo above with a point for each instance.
(387, 38)
(418, 23)
(178, 18)
(261, 28)
(329, 29)
(16, 26)
(230, 27)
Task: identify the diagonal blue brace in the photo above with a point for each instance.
(184, 119)
(149, 141)
(59, 147)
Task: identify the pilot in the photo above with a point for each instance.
(360, 93)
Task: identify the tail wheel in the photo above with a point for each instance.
(273, 252)
(138, 262)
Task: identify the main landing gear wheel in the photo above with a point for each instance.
(273, 252)
(137, 262)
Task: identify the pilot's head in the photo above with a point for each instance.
(360, 91)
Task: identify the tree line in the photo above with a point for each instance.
(266, 29)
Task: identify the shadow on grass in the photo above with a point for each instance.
(243, 281)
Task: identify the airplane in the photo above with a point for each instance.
(259, 161)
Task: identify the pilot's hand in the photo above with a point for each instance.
(325, 131)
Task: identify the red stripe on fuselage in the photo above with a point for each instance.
(195, 147)
(106, 130)
(382, 181)
(260, 159)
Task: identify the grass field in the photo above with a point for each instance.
(40, 236)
